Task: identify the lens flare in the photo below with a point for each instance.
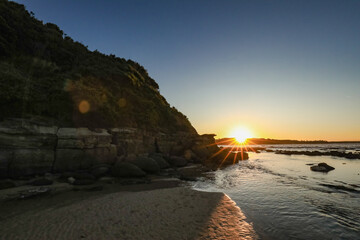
(84, 106)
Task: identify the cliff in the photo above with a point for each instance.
(66, 110)
(44, 74)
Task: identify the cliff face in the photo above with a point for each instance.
(29, 149)
(44, 74)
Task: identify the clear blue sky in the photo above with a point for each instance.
(284, 69)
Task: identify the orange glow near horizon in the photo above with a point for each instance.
(241, 134)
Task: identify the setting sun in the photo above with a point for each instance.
(241, 134)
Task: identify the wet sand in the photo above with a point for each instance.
(161, 210)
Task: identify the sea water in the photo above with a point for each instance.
(283, 199)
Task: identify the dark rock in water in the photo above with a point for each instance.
(127, 169)
(177, 161)
(83, 181)
(160, 161)
(322, 167)
(146, 164)
(41, 182)
(6, 184)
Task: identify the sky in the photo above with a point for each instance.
(282, 69)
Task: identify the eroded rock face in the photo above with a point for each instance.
(23, 134)
(27, 149)
(27, 162)
(83, 138)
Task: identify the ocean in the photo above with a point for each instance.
(283, 199)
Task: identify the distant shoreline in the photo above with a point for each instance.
(266, 141)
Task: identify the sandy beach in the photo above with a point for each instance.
(158, 213)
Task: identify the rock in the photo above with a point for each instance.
(83, 138)
(322, 167)
(21, 136)
(6, 184)
(103, 155)
(83, 181)
(71, 160)
(76, 159)
(201, 152)
(177, 161)
(177, 150)
(190, 156)
(6, 156)
(127, 169)
(41, 182)
(71, 180)
(27, 162)
(160, 161)
(99, 171)
(147, 164)
(66, 175)
(106, 179)
(192, 173)
(83, 176)
(30, 193)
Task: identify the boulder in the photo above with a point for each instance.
(322, 167)
(126, 169)
(6, 183)
(160, 160)
(146, 164)
(83, 176)
(41, 182)
(193, 172)
(100, 170)
(83, 182)
(177, 161)
(5, 158)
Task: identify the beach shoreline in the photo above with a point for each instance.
(164, 209)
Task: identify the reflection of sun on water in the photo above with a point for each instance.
(241, 134)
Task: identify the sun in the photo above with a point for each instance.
(241, 134)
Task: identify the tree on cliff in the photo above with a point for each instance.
(44, 72)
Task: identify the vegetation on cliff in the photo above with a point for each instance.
(43, 72)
